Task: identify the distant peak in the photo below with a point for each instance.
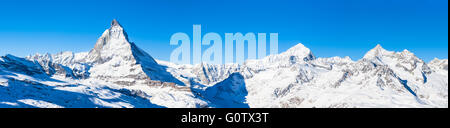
(377, 51)
(299, 48)
(437, 60)
(378, 46)
(115, 23)
(405, 51)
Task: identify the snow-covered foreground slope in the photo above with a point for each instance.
(26, 84)
(116, 73)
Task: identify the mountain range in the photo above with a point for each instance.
(117, 73)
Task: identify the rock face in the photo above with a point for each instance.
(116, 73)
(113, 43)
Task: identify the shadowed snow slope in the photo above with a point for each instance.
(229, 93)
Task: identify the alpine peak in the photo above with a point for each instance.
(377, 51)
(115, 23)
(112, 42)
(299, 50)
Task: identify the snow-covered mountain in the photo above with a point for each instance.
(116, 73)
(296, 78)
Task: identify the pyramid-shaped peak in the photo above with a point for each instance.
(115, 23)
(378, 46)
(298, 52)
(377, 51)
(299, 46)
(113, 42)
(299, 49)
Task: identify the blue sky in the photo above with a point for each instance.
(328, 27)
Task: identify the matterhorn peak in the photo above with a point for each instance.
(113, 42)
(113, 55)
(115, 23)
(116, 31)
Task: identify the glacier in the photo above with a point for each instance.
(116, 73)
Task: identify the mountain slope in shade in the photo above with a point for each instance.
(116, 73)
(229, 93)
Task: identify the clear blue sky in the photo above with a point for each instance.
(328, 27)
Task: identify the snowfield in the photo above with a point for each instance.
(118, 74)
